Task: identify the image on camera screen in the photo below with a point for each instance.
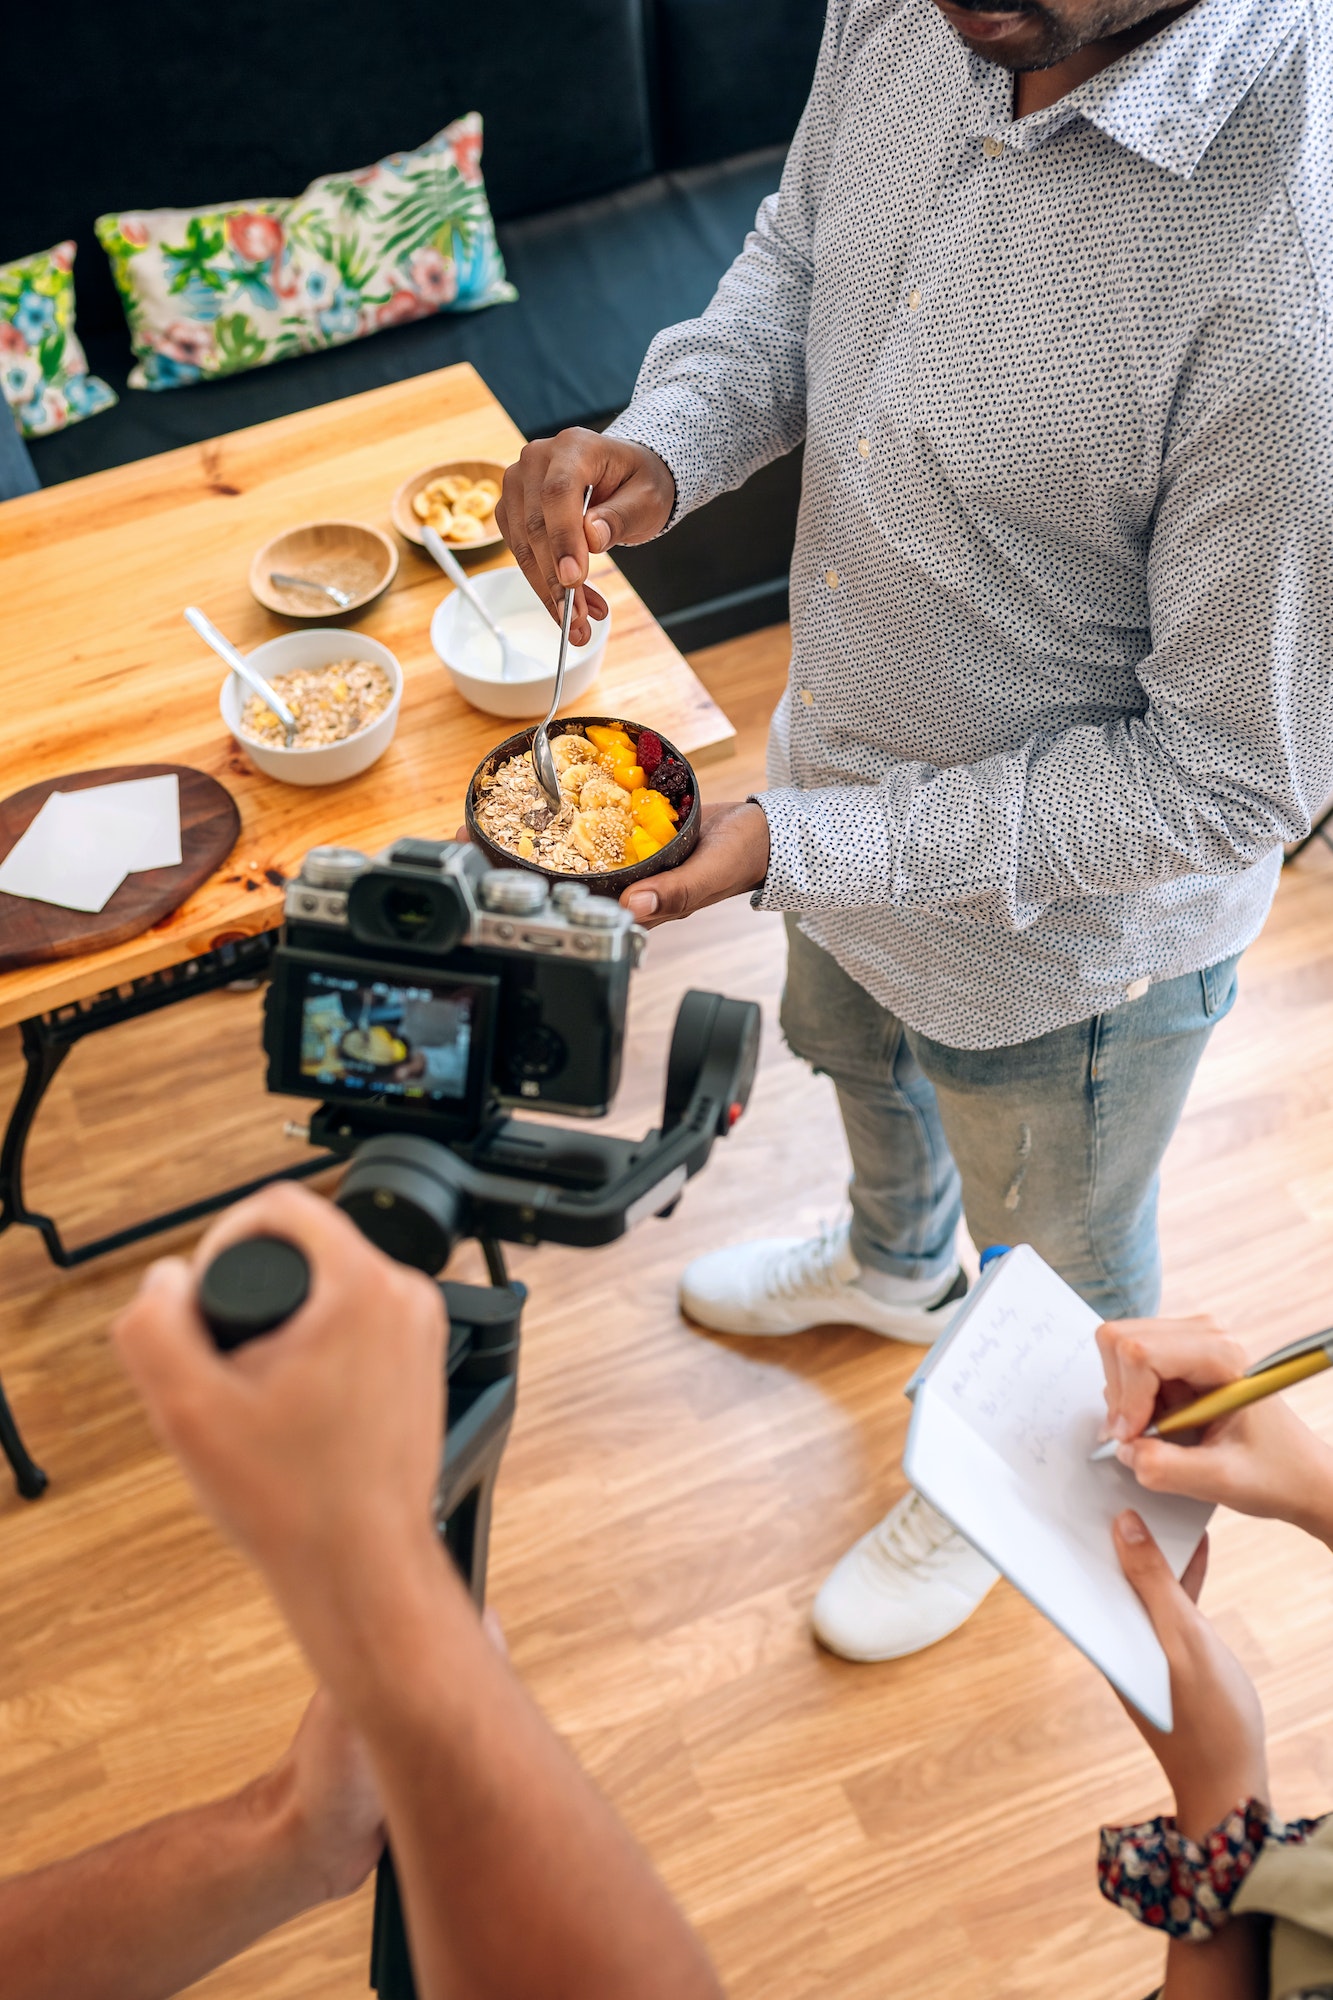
(386, 1039)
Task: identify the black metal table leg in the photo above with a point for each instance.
(28, 1475)
(47, 1039)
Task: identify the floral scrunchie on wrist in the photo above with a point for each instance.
(1182, 1888)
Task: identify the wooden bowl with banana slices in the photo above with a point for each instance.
(458, 500)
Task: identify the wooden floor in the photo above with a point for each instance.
(668, 1506)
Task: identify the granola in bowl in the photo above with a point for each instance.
(623, 799)
(330, 704)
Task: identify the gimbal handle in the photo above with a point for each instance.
(520, 1182)
(250, 1289)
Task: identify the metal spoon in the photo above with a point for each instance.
(543, 763)
(240, 665)
(462, 582)
(342, 598)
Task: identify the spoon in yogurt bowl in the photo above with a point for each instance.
(512, 658)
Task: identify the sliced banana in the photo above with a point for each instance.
(464, 528)
(456, 506)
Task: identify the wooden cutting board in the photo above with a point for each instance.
(34, 933)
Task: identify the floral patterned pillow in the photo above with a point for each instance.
(43, 369)
(209, 291)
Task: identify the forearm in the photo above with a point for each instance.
(148, 1914)
(1233, 1965)
(1314, 1511)
(1219, 757)
(1085, 812)
(518, 1879)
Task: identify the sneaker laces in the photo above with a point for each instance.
(810, 1266)
(911, 1533)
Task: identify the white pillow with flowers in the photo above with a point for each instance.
(210, 291)
(43, 368)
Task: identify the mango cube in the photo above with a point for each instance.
(642, 845)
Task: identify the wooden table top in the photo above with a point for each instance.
(100, 667)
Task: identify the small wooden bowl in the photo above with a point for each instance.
(348, 554)
(609, 882)
(410, 528)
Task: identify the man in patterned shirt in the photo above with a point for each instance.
(1044, 294)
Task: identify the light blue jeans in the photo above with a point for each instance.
(1054, 1142)
(16, 472)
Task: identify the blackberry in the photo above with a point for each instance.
(672, 780)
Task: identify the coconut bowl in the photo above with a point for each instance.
(608, 882)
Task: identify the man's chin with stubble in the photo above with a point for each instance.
(1036, 36)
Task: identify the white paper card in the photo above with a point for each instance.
(1006, 1412)
(69, 857)
(81, 845)
(157, 802)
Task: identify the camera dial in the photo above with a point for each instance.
(333, 867)
(596, 914)
(513, 892)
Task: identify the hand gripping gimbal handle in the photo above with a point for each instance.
(251, 1287)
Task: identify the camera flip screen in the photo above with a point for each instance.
(407, 1038)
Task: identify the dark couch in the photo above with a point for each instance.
(628, 144)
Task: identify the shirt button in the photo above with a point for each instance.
(863, 446)
(914, 298)
(831, 578)
(807, 697)
(993, 148)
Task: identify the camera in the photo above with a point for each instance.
(423, 994)
(425, 989)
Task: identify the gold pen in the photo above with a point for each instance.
(1303, 1358)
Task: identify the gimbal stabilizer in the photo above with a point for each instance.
(518, 1182)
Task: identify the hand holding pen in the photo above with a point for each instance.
(1259, 1458)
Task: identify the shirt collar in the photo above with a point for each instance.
(1167, 100)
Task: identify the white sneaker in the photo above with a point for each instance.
(786, 1284)
(910, 1581)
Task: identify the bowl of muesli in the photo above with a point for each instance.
(344, 690)
(629, 804)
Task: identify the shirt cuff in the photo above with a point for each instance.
(660, 420)
(827, 850)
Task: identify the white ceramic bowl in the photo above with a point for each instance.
(455, 630)
(326, 763)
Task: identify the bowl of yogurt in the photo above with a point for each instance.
(473, 659)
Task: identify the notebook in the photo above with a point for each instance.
(1006, 1410)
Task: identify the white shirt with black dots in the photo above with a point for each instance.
(1062, 592)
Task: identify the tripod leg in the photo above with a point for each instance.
(28, 1476)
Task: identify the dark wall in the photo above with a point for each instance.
(188, 105)
(732, 75)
